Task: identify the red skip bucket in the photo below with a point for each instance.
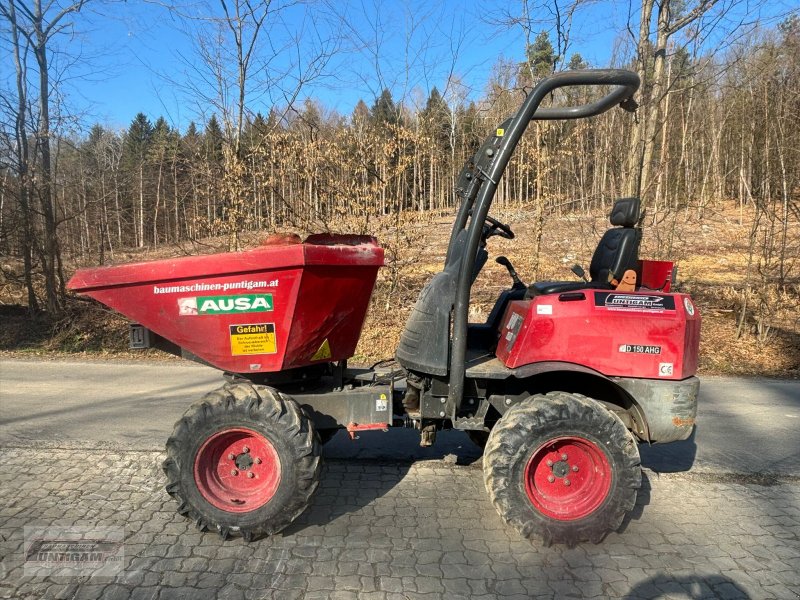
(262, 310)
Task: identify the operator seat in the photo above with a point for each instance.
(617, 252)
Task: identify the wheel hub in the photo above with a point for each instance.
(237, 470)
(243, 461)
(568, 478)
(560, 469)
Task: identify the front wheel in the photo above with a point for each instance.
(243, 461)
(562, 468)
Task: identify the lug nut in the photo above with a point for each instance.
(246, 450)
(566, 482)
(250, 475)
(551, 479)
(234, 472)
(575, 468)
(258, 462)
(549, 463)
(231, 456)
(564, 456)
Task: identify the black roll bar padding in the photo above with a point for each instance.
(625, 85)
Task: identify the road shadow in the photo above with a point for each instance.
(358, 472)
(403, 444)
(389, 455)
(346, 490)
(691, 586)
(784, 388)
(675, 457)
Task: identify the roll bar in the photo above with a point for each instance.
(479, 199)
(625, 85)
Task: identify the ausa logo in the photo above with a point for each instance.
(227, 305)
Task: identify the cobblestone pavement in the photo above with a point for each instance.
(421, 530)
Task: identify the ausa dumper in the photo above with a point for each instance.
(561, 383)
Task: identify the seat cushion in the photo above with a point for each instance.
(617, 252)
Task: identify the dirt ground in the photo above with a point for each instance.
(711, 252)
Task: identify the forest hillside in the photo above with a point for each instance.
(712, 151)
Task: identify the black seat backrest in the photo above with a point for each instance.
(618, 249)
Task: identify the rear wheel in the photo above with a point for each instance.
(562, 468)
(243, 461)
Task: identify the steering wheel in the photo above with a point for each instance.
(498, 228)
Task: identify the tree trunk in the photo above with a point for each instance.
(21, 150)
(638, 135)
(50, 256)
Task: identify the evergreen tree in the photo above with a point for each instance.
(213, 138)
(361, 115)
(540, 60)
(436, 118)
(311, 117)
(95, 135)
(135, 152)
(472, 130)
(384, 112)
(161, 128)
(191, 133)
(138, 137)
(259, 124)
(274, 120)
(576, 62)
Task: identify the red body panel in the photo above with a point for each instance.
(638, 334)
(260, 310)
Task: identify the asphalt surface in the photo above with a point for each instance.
(744, 425)
(718, 516)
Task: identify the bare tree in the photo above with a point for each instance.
(37, 26)
(248, 54)
(651, 61)
(553, 17)
(21, 149)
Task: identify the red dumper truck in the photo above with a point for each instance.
(560, 384)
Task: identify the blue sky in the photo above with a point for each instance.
(138, 56)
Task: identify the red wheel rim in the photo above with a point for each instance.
(237, 470)
(568, 478)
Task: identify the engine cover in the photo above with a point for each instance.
(632, 334)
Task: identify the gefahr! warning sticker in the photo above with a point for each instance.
(253, 338)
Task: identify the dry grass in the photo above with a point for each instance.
(711, 254)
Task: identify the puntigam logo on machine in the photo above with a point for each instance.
(225, 305)
(634, 302)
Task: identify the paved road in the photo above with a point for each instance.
(744, 425)
(80, 444)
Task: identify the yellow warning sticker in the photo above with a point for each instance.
(323, 352)
(501, 132)
(254, 338)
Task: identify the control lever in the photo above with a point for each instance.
(578, 270)
(518, 285)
